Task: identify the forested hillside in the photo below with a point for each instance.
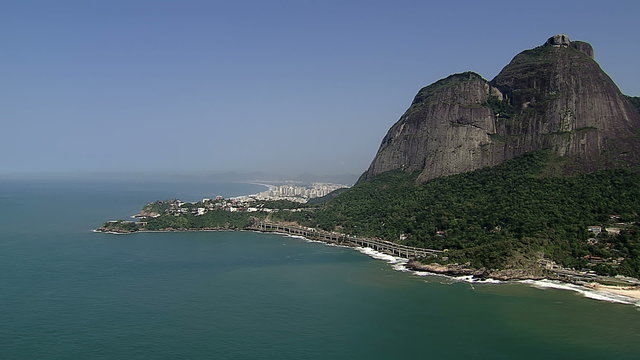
(489, 215)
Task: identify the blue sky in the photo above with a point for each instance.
(279, 86)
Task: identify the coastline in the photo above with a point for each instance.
(269, 187)
(629, 295)
(628, 291)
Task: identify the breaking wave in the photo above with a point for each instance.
(399, 264)
(584, 291)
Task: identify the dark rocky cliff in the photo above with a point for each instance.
(552, 97)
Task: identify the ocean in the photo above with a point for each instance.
(69, 293)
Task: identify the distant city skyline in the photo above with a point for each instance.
(282, 87)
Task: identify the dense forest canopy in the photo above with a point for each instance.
(489, 215)
(635, 101)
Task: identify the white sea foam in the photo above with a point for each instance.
(380, 256)
(109, 232)
(465, 278)
(472, 279)
(397, 263)
(424, 273)
(584, 291)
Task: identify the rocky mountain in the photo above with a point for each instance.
(554, 96)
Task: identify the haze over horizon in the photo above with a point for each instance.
(284, 87)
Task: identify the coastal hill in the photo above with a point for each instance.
(539, 164)
(554, 96)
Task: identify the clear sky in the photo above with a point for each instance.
(281, 86)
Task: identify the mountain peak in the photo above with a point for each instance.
(560, 40)
(550, 97)
(563, 41)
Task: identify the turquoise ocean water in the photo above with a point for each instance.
(68, 293)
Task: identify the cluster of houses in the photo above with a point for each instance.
(198, 208)
(609, 230)
(597, 260)
(596, 230)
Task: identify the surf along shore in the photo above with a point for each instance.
(590, 285)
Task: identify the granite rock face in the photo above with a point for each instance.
(445, 131)
(561, 40)
(554, 97)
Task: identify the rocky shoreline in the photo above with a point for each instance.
(462, 270)
(448, 270)
(631, 292)
(457, 270)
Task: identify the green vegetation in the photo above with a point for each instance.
(634, 100)
(503, 138)
(159, 207)
(450, 80)
(490, 215)
(544, 54)
(537, 55)
(279, 204)
(518, 211)
(214, 219)
(120, 226)
(502, 108)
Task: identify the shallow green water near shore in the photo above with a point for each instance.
(68, 293)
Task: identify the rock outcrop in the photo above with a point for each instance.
(561, 40)
(554, 97)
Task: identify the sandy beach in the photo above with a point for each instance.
(629, 291)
